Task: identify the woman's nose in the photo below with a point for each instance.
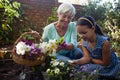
(66, 19)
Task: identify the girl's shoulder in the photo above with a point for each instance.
(102, 38)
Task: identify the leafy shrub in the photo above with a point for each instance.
(112, 26)
(9, 11)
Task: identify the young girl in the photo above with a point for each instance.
(96, 50)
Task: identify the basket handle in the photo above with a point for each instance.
(33, 33)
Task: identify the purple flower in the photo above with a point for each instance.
(27, 42)
(34, 50)
(83, 77)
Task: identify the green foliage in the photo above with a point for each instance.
(28, 37)
(58, 70)
(112, 26)
(13, 21)
(52, 18)
(9, 10)
(94, 10)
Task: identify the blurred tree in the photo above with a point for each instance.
(112, 26)
(107, 16)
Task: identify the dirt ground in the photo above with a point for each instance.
(11, 71)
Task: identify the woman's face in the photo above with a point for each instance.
(64, 18)
(84, 32)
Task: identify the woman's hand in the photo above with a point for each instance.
(60, 48)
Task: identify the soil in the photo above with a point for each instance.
(11, 71)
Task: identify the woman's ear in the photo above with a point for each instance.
(57, 14)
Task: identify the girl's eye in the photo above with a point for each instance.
(82, 32)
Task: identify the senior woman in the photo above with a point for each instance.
(63, 27)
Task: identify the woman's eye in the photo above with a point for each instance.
(64, 16)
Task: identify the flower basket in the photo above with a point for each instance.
(28, 59)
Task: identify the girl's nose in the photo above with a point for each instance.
(81, 35)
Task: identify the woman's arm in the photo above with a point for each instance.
(105, 55)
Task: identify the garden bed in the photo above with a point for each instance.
(11, 71)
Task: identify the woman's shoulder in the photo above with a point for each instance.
(49, 26)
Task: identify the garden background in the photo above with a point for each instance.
(17, 16)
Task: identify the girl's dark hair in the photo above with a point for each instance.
(90, 22)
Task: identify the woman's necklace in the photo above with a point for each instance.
(61, 30)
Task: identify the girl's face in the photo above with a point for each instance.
(85, 32)
(64, 18)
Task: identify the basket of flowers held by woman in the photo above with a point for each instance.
(28, 50)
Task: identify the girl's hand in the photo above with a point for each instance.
(73, 62)
(79, 45)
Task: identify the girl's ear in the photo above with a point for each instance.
(93, 28)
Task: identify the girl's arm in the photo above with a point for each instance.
(105, 55)
(85, 59)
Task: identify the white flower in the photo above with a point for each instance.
(48, 46)
(44, 47)
(48, 70)
(21, 48)
(62, 64)
(55, 63)
(57, 71)
(52, 44)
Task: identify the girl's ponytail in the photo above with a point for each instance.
(98, 30)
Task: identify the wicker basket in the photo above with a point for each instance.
(25, 61)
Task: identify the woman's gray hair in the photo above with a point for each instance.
(66, 7)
